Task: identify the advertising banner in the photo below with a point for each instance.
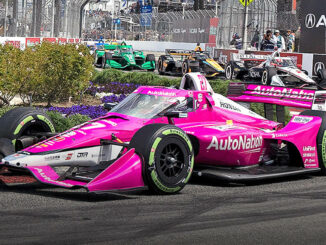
(319, 62)
(62, 40)
(32, 41)
(71, 40)
(16, 44)
(50, 39)
(313, 23)
(191, 31)
(213, 23)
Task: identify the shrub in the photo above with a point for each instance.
(63, 69)
(62, 123)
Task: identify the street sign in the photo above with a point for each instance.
(146, 15)
(243, 2)
(116, 21)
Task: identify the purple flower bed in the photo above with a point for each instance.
(113, 98)
(91, 111)
(113, 87)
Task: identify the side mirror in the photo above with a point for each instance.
(109, 106)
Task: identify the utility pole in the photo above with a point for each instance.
(245, 22)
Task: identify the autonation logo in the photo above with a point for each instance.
(311, 21)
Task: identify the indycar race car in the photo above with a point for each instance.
(158, 136)
(272, 70)
(124, 57)
(190, 61)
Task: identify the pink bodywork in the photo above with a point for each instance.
(291, 97)
(226, 138)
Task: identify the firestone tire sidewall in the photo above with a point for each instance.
(159, 182)
(157, 139)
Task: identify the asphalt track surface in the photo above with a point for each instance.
(291, 211)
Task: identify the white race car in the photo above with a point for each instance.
(273, 70)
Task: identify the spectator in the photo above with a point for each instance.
(279, 41)
(236, 41)
(289, 41)
(267, 43)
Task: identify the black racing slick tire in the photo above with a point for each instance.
(267, 75)
(160, 68)
(229, 71)
(6, 148)
(321, 137)
(168, 157)
(185, 67)
(150, 57)
(22, 121)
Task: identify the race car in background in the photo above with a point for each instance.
(124, 57)
(272, 70)
(157, 137)
(179, 62)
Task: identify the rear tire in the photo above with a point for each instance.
(185, 68)
(150, 57)
(321, 74)
(321, 138)
(168, 156)
(229, 72)
(160, 65)
(21, 121)
(267, 75)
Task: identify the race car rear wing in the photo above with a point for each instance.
(241, 56)
(280, 96)
(178, 52)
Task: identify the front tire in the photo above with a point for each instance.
(168, 156)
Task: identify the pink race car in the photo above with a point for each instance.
(158, 136)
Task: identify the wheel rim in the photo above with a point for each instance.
(264, 78)
(171, 161)
(228, 72)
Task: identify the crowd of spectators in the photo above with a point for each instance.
(269, 42)
(276, 41)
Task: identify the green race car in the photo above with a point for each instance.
(124, 57)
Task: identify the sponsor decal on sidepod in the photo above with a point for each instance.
(240, 143)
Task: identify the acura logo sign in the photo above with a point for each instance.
(319, 66)
(310, 21)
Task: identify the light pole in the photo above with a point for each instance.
(216, 8)
(183, 9)
(245, 22)
(53, 13)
